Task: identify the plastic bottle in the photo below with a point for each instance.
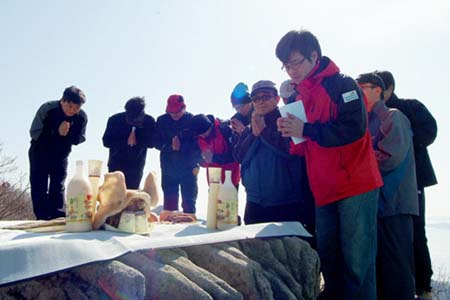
(78, 202)
(227, 204)
(214, 175)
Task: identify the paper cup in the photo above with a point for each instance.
(95, 167)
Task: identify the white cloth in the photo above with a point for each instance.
(25, 255)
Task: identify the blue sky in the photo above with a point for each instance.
(115, 50)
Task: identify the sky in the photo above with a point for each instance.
(115, 50)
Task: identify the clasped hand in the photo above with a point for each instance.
(258, 124)
(63, 129)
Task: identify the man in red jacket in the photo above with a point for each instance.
(214, 139)
(341, 166)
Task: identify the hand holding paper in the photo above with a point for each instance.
(292, 122)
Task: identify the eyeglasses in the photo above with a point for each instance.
(292, 64)
(262, 98)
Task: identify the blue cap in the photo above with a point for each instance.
(240, 94)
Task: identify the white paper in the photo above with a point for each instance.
(25, 255)
(297, 109)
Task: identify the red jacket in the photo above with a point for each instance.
(339, 157)
(218, 143)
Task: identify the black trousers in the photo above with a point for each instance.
(421, 253)
(133, 176)
(47, 177)
(395, 258)
(171, 184)
(299, 212)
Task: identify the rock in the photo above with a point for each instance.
(164, 281)
(260, 251)
(37, 289)
(279, 288)
(275, 268)
(304, 264)
(114, 278)
(73, 292)
(213, 285)
(243, 274)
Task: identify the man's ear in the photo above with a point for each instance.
(314, 57)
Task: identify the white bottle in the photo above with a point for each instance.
(78, 202)
(227, 204)
(214, 175)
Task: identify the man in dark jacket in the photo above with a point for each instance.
(424, 129)
(240, 99)
(56, 126)
(275, 181)
(128, 135)
(392, 142)
(179, 157)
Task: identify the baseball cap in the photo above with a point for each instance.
(371, 78)
(175, 103)
(286, 89)
(240, 94)
(200, 124)
(264, 86)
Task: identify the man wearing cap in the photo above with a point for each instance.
(342, 168)
(179, 156)
(287, 91)
(128, 135)
(424, 129)
(392, 141)
(57, 126)
(240, 99)
(275, 181)
(214, 139)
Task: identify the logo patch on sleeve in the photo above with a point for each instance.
(350, 96)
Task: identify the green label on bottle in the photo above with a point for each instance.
(79, 208)
(227, 211)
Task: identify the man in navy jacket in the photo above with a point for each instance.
(57, 126)
(128, 135)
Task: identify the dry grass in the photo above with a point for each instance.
(441, 285)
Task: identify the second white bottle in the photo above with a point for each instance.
(227, 204)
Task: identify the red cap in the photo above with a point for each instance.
(175, 103)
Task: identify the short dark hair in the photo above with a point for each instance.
(374, 79)
(387, 77)
(135, 105)
(302, 41)
(201, 123)
(74, 95)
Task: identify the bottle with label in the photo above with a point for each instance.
(227, 204)
(78, 202)
(94, 173)
(214, 186)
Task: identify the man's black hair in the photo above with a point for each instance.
(387, 77)
(302, 41)
(135, 106)
(74, 95)
(373, 79)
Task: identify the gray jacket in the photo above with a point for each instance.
(392, 141)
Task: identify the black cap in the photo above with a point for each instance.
(200, 124)
(371, 78)
(135, 110)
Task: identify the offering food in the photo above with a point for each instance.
(127, 210)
